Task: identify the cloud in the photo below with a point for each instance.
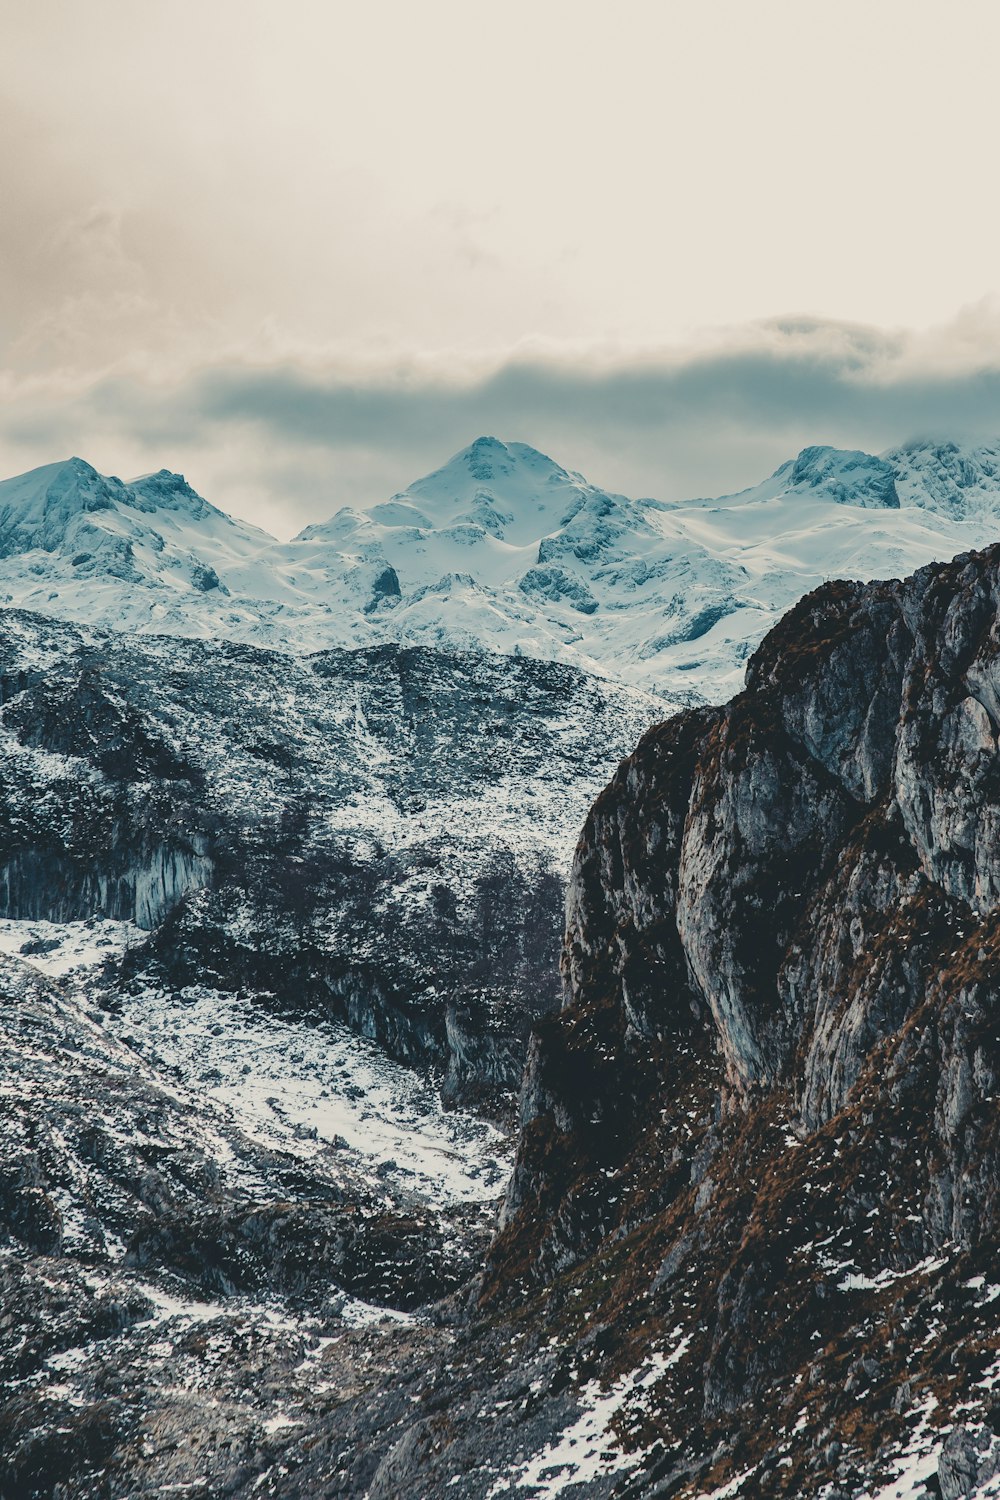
(289, 441)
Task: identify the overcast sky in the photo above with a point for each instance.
(304, 251)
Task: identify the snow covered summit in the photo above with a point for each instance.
(508, 490)
(501, 549)
(93, 536)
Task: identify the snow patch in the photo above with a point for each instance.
(307, 1088)
(588, 1449)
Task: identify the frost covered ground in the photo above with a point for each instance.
(298, 1087)
(222, 1231)
(304, 1087)
(60, 948)
(589, 1448)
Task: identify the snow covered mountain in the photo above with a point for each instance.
(155, 531)
(153, 556)
(379, 836)
(503, 550)
(243, 1249)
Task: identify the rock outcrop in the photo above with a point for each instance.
(765, 1121)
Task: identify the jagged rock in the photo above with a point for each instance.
(786, 914)
(968, 1459)
(399, 1468)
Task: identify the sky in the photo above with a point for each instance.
(304, 252)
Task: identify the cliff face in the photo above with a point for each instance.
(766, 1116)
(808, 863)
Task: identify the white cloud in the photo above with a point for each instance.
(306, 251)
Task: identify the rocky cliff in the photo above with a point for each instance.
(764, 1126)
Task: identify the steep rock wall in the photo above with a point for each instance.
(766, 1116)
(773, 860)
(131, 885)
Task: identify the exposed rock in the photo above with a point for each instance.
(379, 836)
(968, 1459)
(804, 888)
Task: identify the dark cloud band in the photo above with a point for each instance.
(672, 427)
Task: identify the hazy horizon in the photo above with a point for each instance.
(303, 255)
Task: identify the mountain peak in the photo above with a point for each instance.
(78, 465)
(36, 508)
(848, 476)
(489, 460)
(61, 474)
(166, 490)
(959, 480)
(510, 490)
(486, 458)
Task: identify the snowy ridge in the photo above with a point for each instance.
(503, 550)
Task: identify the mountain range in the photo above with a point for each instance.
(500, 549)
(376, 1120)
